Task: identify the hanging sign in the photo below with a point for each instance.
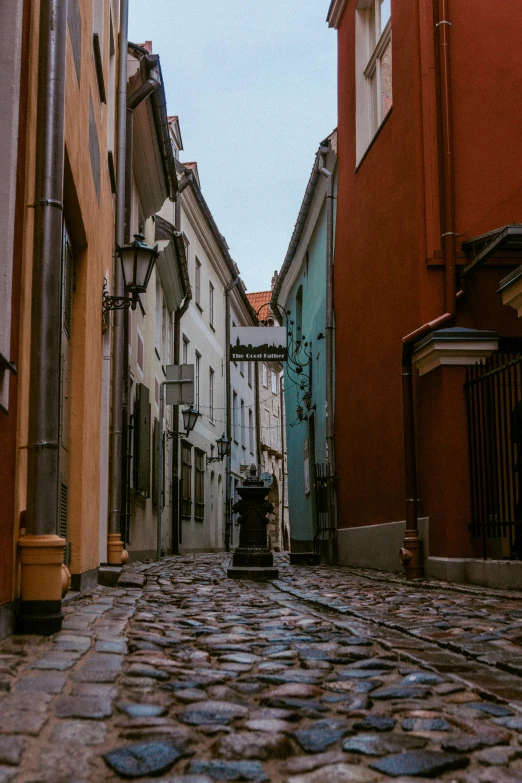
(258, 343)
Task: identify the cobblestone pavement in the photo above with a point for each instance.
(329, 675)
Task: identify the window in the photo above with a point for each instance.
(265, 376)
(235, 416)
(251, 431)
(374, 69)
(139, 352)
(275, 432)
(199, 493)
(184, 354)
(242, 368)
(198, 283)
(299, 313)
(197, 378)
(158, 315)
(186, 479)
(242, 423)
(249, 370)
(274, 382)
(187, 251)
(211, 304)
(211, 394)
(156, 390)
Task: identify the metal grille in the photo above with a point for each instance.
(325, 539)
(62, 521)
(494, 403)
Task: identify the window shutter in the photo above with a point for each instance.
(155, 461)
(142, 440)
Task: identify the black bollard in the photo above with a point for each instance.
(253, 558)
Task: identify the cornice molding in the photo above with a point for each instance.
(335, 13)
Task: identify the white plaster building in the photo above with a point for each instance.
(271, 411)
(243, 430)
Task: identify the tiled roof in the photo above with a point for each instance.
(260, 301)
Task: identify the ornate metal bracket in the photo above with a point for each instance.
(112, 303)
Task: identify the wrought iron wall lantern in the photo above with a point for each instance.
(307, 399)
(222, 447)
(137, 262)
(190, 417)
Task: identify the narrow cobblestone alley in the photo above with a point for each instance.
(328, 675)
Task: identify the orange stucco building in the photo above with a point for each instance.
(81, 48)
(428, 161)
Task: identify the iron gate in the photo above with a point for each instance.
(494, 404)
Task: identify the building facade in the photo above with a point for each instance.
(300, 292)
(426, 194)
(272, 428)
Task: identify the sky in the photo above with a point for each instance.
(254, 85)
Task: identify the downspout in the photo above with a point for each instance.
(41, 550)
(115, 544)
(281, 418)
(178, 315)
(330, 441)
(228, 518)
(411, 553)
(258, 424)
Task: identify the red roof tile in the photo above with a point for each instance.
(260, 301)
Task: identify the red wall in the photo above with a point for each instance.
(388, 276)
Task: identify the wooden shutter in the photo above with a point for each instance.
(155, 461)
(186, 480)
(142, 413)
(200, 485)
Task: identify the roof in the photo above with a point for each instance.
(260, 301)
(326, 146)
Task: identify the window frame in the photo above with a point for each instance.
(211, 375)
(211, 304)
(197, 284)
(372, 44)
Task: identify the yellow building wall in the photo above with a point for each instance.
(91, 226)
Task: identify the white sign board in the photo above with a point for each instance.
(258, 343)
(180, 393)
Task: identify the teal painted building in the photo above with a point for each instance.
(302, 290)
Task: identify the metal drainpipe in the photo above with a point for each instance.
(176, 443)
(228, 487)
(40, 607)
(115, 544)
(411, 553)
(330, 441)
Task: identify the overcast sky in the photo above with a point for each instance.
(254, 85)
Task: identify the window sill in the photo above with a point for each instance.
(372, 142)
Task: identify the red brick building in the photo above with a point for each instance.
(429, 160)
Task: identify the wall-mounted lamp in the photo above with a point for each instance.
(137, 261)
(307, 399)
(190, 417)
(222, 447)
